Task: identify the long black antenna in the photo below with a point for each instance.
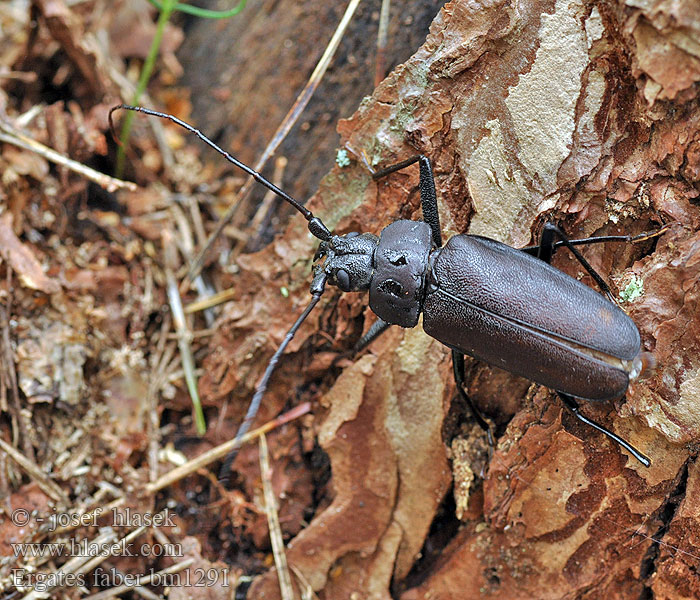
(316, 226)
(317, 287)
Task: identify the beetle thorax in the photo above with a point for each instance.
(400, 266)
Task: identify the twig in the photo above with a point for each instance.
(273, 522)
(287, 123)
(105, 538)
(262, 214)
(380, 61)
(307, 592)
(197, 463)
(35, 472)
(21, 423)
(135, 589)
(213, 300)
(155, 384)
(187, 248)
(183, 332)
(223, 449)
(11, 136)
(111, 550)
(82, 564)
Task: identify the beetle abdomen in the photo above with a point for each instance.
(516, 312)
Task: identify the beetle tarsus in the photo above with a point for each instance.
(571, 404)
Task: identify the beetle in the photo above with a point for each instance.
(505, 306)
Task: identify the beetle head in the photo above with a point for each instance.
(349, 260)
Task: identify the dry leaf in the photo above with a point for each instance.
(22, 260)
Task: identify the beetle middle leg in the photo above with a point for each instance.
(431, 217)
(547, 246)
(458, 372)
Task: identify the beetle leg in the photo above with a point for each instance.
(428, 198)
(317, 288)
(598, 239)
(571, 404)
(547, 246)
(375, 330)
(458, 372)
(545, 249)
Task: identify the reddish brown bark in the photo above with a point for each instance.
(584, 113)
(543, 110)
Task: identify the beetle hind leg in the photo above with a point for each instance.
(572, 405)
(458, 372)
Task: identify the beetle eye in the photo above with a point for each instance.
(392, 287)
(343, 279)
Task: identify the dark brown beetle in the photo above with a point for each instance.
(508, 307)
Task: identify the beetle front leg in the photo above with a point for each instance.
(428, 198)
(375, 330)
(572, 405)
(458, 372)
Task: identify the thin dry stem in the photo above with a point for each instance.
(195, 464)
(21, 422)
(82, 564)
(52, 490)
(382, 36)
(223, 449)
(285, 126)
(273, 521)
(307, 592)
(181, 566)
(10, 135)
(155, 384)
(184, 335)
(263, 212)
(213, 300)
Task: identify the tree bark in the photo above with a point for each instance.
(245, 73)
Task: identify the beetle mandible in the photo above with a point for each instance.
(505, 306)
